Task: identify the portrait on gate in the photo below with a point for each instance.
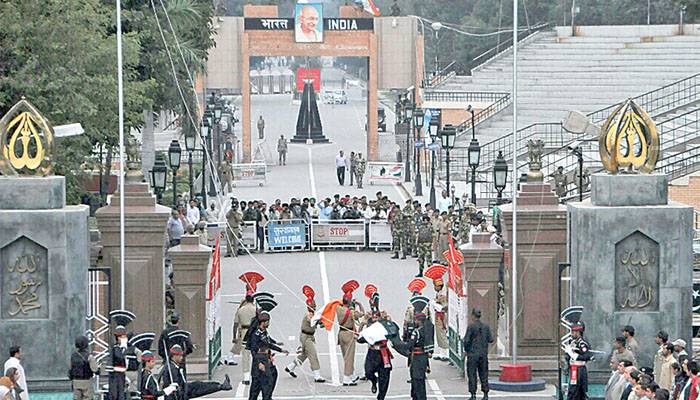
(308, 23)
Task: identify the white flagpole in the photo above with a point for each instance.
(120, 89)
(514, 188)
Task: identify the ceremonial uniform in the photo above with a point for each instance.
(165, 342)
(242, 320)
(414, 349)
(264, 372)
(173, 373)
(117, 377)
(425, 244)
(440, 306)
(234, 218)
(443, 238)
(347, 318)
(307, 349)
(226, 176)
(150, 389)
(378, 367)
(577, 354)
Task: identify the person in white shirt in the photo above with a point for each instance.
(340, 163)
(445, 202)
(14, 362)
(193, 213)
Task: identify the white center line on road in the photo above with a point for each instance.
(335, 370)
(436, 389)
(240, 390)
(312, 179)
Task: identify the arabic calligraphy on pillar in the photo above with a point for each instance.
(26, 141)
(640, 291)
(629, 142)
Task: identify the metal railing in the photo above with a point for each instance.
(502, 47)
(443, 75)
(466, 96)
(494, 108)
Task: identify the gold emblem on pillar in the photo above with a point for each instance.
(629, 141)
(26, 139)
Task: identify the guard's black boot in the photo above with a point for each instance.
(226, 384)
(374, 387)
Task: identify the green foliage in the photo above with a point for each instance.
(62, 56)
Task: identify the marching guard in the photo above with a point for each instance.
(167, 340)
(173, 374)
(577, 354)
(348, 317)
(149, 386)
(307, 339)
(117, 377)
(378, 359)
(436, 273)
(242, 322)
(261, 347)
(415, 349)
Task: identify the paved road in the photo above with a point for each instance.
(310, 172)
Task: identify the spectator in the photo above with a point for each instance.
(193, 212)
(263, 219)
(632, 376)
(617, 382)
(14, 361)
(631, 342)
(202, 233)
(666, 376)
(679, 347)
(5, 393)
(444, 203)
(175, 229)
(9, 382)
(661, 394)
(690, 392)
(680, 378)
(212, 213)
(340, 165)
(620, 352)
(661, 339)
(650, 390)
(7, 389)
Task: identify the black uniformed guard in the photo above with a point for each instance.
(577, 354)
(476, 347)
(378, 359)
(165, 341)
(148, 384)
(261, 346)
(117, 377)
(173, 373)
(415, 350)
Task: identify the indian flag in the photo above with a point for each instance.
(368, 5)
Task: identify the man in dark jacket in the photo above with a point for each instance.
(82, 368)
(476, 347)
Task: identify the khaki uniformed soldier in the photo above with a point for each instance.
(307, 340)
(359, 170)
(242, 320)
(409, 230)
(226, 176)
(234, 218)
(425, 244)
(394, 219)
(348, 317)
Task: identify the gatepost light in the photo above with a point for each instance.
(407, 119)
(174, 156)
(158, 176)
(433, 132)
(473, 154)
(204, 130)
(500, 176)
(418, 115)
(190, 143)
(447, 139)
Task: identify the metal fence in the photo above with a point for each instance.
(379, 234)
(286, 235)
(342, 233)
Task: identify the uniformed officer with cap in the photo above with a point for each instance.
(148, 383)
(348, 317)
(577, 354)
(264, 371)
(307, 339)
(117, 377)
(415, 350)
(173, 373)
(165, 342)
(476, 347)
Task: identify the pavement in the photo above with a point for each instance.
(310, 171)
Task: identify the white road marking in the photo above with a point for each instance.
(502, 395)
(335, 370)
(312, 179)
(436, 389)
(240, 390)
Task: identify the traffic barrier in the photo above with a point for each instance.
(218, 229)
(342, 233)
(390, 172)
(250, 172)
(379, 234)
(286, 235)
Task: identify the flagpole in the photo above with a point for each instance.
(514, 188)
(120, 92)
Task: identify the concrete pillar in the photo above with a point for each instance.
(145, 237)
(541, 247)
(190, 281)
(482, 259)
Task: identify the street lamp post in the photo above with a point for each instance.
(189, 146)
(433, 131)
(174, 157)
(473, 155)
(204, 129)
(407, 117)
(158, 176)
(447, 139)
(418, 123)
(500, 176)
(218, 110)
